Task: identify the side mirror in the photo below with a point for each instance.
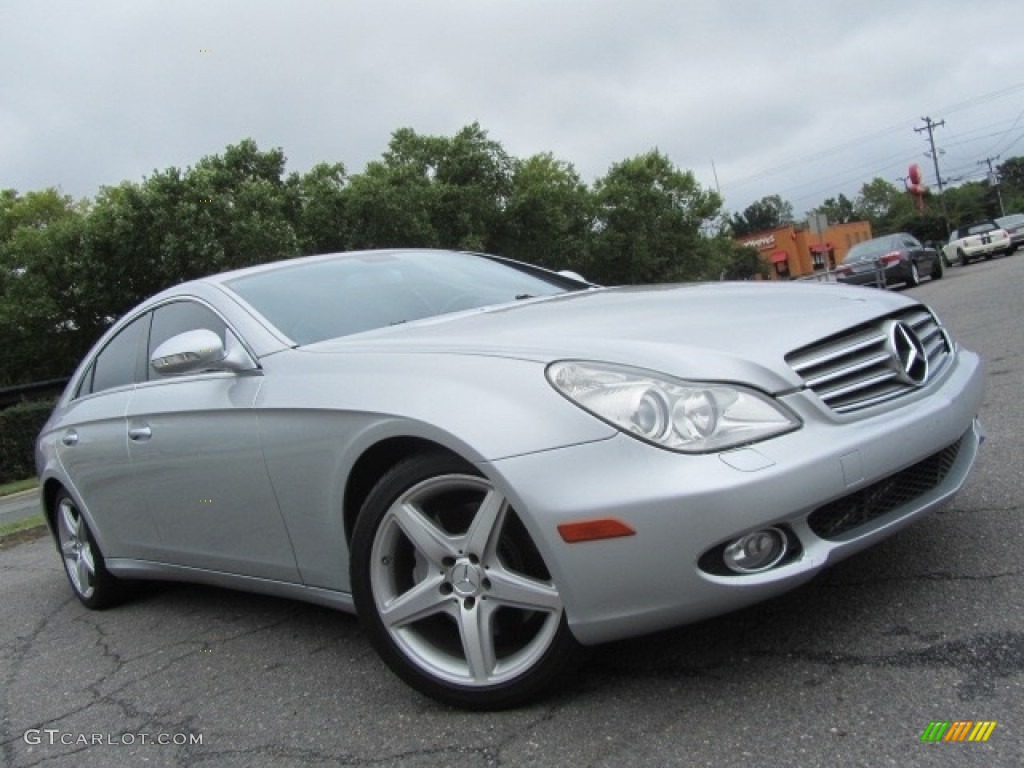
(201, 350)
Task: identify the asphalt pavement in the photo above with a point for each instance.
(849, 670)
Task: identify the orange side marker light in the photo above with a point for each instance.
(594, 530)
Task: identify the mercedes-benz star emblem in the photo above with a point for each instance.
(465, 579)
(908, 355)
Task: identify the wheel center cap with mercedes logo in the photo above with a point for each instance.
(909, 359)
(466, 580)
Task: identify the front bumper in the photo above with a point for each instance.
(683, 506)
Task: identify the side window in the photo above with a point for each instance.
(118, 363)
(85, 385)
(179, 317)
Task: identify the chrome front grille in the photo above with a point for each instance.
(858, 368)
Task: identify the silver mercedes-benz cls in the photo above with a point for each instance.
(495, 465)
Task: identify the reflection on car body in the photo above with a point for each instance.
(492, 482)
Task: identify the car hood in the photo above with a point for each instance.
(711, 331)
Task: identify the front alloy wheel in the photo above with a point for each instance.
(91, 582)
(452, 590)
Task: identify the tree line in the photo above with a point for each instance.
(69, 268)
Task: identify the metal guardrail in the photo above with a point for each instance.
(34, 390)
(829, 276)
(825, 276)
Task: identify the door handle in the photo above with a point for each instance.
(70, 438)
(139, 433)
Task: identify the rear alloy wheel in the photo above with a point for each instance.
(915, 276)
(452, 590)
(83, 562)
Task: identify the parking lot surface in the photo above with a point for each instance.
(848, 670)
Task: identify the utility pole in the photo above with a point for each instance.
(993, 179)
(930, 126)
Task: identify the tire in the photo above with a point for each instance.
(451, 590)
(915, 275)
(84, 565)
(964, 261)
(937, 269)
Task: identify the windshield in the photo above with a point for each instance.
(316, 300)
(974, 229)
(871, 249)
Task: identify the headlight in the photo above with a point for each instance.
(686, 416)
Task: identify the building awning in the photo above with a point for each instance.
(779, 256)
(817, 248)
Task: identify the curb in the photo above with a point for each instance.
(14, 538)
(21, 494)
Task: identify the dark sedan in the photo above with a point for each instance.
(884, 261)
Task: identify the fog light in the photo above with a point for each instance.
(755, 552)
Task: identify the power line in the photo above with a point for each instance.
(789, 165)
(930, 126)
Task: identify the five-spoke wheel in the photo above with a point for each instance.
(454, 593)
(83, 562)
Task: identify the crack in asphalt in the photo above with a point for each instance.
(132, 718)
(835, 583)
(981, 660)
(20, 648)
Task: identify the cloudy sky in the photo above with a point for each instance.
(801, 99)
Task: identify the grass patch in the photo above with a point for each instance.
(21, 531)
(6, 489)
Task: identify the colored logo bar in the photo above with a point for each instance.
(958, 730)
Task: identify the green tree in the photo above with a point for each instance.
(741, 262)
(883, 205)
(548, 215)
(1011, 174)
(389, 206)
(969, 202)
(769, 212)
(40, 285)
(319, 208)
(838, 210)
(245, 190)
(648, 221)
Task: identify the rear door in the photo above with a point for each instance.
(91, 446)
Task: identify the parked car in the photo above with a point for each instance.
(983, 239)
(888, 260)
(495, 465)
(1014, 226)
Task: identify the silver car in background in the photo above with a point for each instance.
(495, 465)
